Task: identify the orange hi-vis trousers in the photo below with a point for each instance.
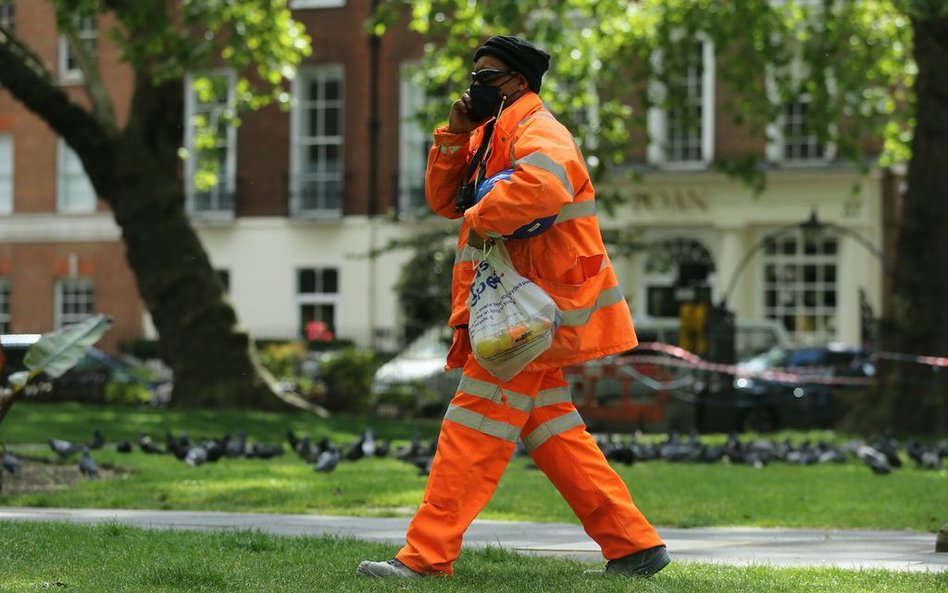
(477, 440)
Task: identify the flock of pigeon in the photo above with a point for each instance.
(324, 455)
(882, 454)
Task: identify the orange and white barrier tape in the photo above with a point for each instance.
(678, 357)
(686, 359)
(933, 361)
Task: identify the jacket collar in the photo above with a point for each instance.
(511, 116)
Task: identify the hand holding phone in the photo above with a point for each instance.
(458, 121)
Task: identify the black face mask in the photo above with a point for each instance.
(485, 102)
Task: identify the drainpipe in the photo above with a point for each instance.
(375, 43)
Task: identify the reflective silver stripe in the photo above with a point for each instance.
(575, 317)
(541, 161)
(549, 397)
(445, 149)
(491, 392)
(481, 423)
(568, 212)
(546, 114)
(575, 210)
(551, 428)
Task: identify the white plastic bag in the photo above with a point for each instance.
(512, 319)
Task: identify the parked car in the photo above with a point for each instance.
(751, 336)
(89, 379)
(768, 403)
(415, 377)
(616, 394)
(606, 394)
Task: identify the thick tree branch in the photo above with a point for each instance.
(156, 119)
(24, 74)
(102, 107)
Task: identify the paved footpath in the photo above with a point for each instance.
(891, 550)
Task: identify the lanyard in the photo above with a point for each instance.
(479, 161)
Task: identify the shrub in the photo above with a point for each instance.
(127, 393)
(410, 400)
(348, 375)
(290, 364)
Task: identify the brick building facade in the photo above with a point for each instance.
(302, 197)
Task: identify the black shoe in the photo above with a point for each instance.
(643, 563)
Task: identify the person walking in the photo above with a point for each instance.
(543, 208)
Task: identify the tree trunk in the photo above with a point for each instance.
(212, 359)
(214, 362)
(136, 171)
(914, 397)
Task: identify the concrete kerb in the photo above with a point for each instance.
(854, 549)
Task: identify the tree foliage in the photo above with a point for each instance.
(257, 39)
(133, 164)
(613, 60)
(873, 70)
(167, 40)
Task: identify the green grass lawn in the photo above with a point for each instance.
(34, 423)
(670, 494)
(111, 558)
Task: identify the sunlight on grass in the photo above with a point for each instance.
(160, 561)
(293, 471)
(670, 494)
(680, 495)
(186, 574)
(23, 584)
(225, 488)
(409, 498)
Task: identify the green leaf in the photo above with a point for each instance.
(57, 352)
(18, 379)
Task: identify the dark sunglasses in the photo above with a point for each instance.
(489, 75)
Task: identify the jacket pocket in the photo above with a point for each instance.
(577, 279)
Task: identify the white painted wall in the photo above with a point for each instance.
(262, 254)
(728, 219)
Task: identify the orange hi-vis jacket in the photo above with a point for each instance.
(568, 261)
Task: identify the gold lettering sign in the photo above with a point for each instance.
(672, 199)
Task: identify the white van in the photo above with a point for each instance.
(420, 367)
(751, 336)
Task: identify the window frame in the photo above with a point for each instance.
(64, 153)
(60, 317)
(776, 137)
(223, 195)
(657, 117)
(7, 171)
(84, 34)
(300, 143)
(5, 317)
(796, 114)
(308, 4)
(819, 312)
(413, 139)
(225, 278)
(318, 297)
(8, 15)
(662, 263)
